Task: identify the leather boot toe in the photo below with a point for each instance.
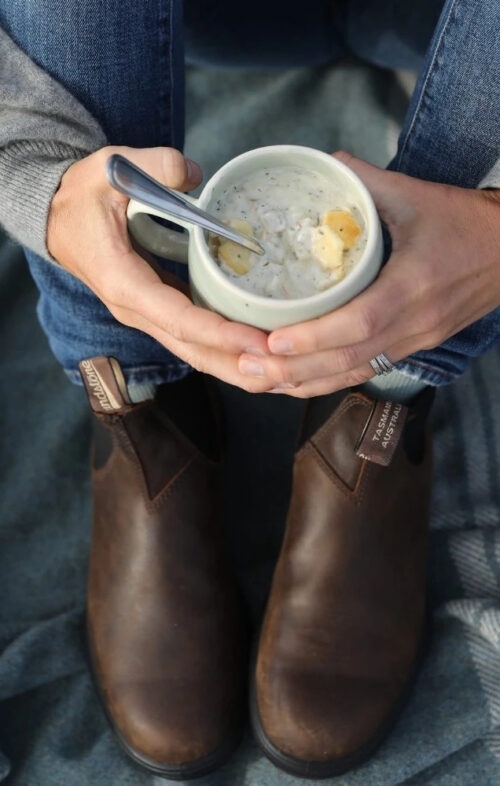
(166, 636)
(344, 624)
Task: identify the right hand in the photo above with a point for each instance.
(87, 234)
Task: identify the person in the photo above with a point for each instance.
(345, 620)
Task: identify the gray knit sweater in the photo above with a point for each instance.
(43, 130)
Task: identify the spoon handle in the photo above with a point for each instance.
(132, 181)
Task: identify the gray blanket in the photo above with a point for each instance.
(52, 730)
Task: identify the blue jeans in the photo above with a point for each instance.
(450, 135)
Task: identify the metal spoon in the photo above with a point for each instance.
(136, 184)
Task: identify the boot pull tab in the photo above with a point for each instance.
(382, 432)
(105, 384)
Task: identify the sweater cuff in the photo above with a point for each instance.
(30, 173)
(492, 179)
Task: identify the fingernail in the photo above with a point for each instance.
(252, 368)
(281, 346)
(193, 170)
(281, 387)
(255, 351)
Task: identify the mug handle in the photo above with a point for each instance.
(156, 238)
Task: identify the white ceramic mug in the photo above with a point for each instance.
(214, 290)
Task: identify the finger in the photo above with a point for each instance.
(167, 278)
(165, 164)
(356, 376)
(326, 385)
(301, 368)
(294, 369)
(131, 289)
(174, 281)
(371, 311)
(219, 364)
(172, 312)
(367, 315)
(391, 191)
(128, 284)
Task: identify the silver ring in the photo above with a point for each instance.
(381, 365)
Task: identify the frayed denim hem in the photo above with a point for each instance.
(424, 372)
(139, 375)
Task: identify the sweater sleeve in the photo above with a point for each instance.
(492, 178)
(43, 130)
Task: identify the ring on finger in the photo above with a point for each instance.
(382, 365)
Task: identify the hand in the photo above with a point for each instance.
(443, 274)
(87, 235)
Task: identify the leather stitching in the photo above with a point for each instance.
(169, 488)
(330, 472)
(170, 425)
(350, 401)
(316, 452)
(363, 478)
(125, 443)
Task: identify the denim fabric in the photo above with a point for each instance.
(124, 63)
(275, 34)
(450, 133)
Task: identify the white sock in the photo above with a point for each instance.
(141, 391)
(395, 386)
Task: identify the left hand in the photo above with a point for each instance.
(443, 274)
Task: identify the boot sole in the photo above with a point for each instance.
(317, 770)
(312, 770)
(180, 772)
(174, 772)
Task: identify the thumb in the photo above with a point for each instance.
(165, 164)
(392, 192)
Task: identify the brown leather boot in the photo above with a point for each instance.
(343, 629)
(166, 639)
